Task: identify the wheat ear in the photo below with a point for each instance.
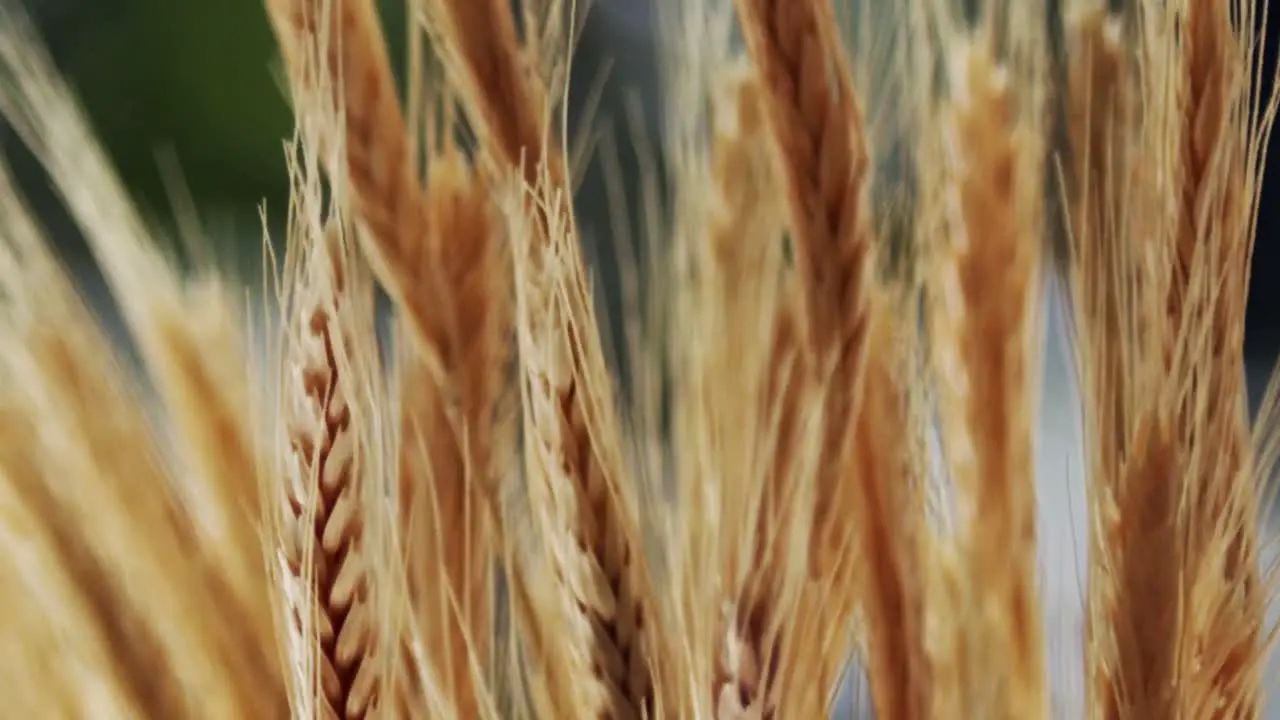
(189, 344)
(337, 58)
(887, 528)
(587, 509)
(1099, 112)
(1133, 557)
(813, 114)
(325, 476)
(1220, 653)
(449, 424)
(742, 292)
(983, 329)
(815, 118)
(157, 554)
(438, 255)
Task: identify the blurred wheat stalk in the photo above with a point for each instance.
(326, 534)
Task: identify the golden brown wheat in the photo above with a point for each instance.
(338, 63)
(146, 533)
(983, 329)
(449, 424)
(742, 296)
(572, 440)
(324, 548)
(725, 545)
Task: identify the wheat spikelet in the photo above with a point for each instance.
(815, 120)
(1167, 513)
(587, 524)
(1100, 126)
(1189, 317)
(437, 254)
(496, 81)
(816, 123)
(889, 513)
(1133, 548)
(1134, 504)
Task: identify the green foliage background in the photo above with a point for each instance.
(195, 80)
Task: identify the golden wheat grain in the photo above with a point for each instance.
(495, 77)
(1131, 561)
(585, 514)
(1194, 315)
(887, 521)
(816, 123)
(1099, 95)
(1133, 548)
(1184, 499)
(815, 119)
(438, 255)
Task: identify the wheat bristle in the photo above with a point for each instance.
(338, 61)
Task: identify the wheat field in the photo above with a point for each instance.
(827, 459)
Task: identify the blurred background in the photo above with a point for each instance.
(190, 89)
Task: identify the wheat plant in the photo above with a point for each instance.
(827, 457)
